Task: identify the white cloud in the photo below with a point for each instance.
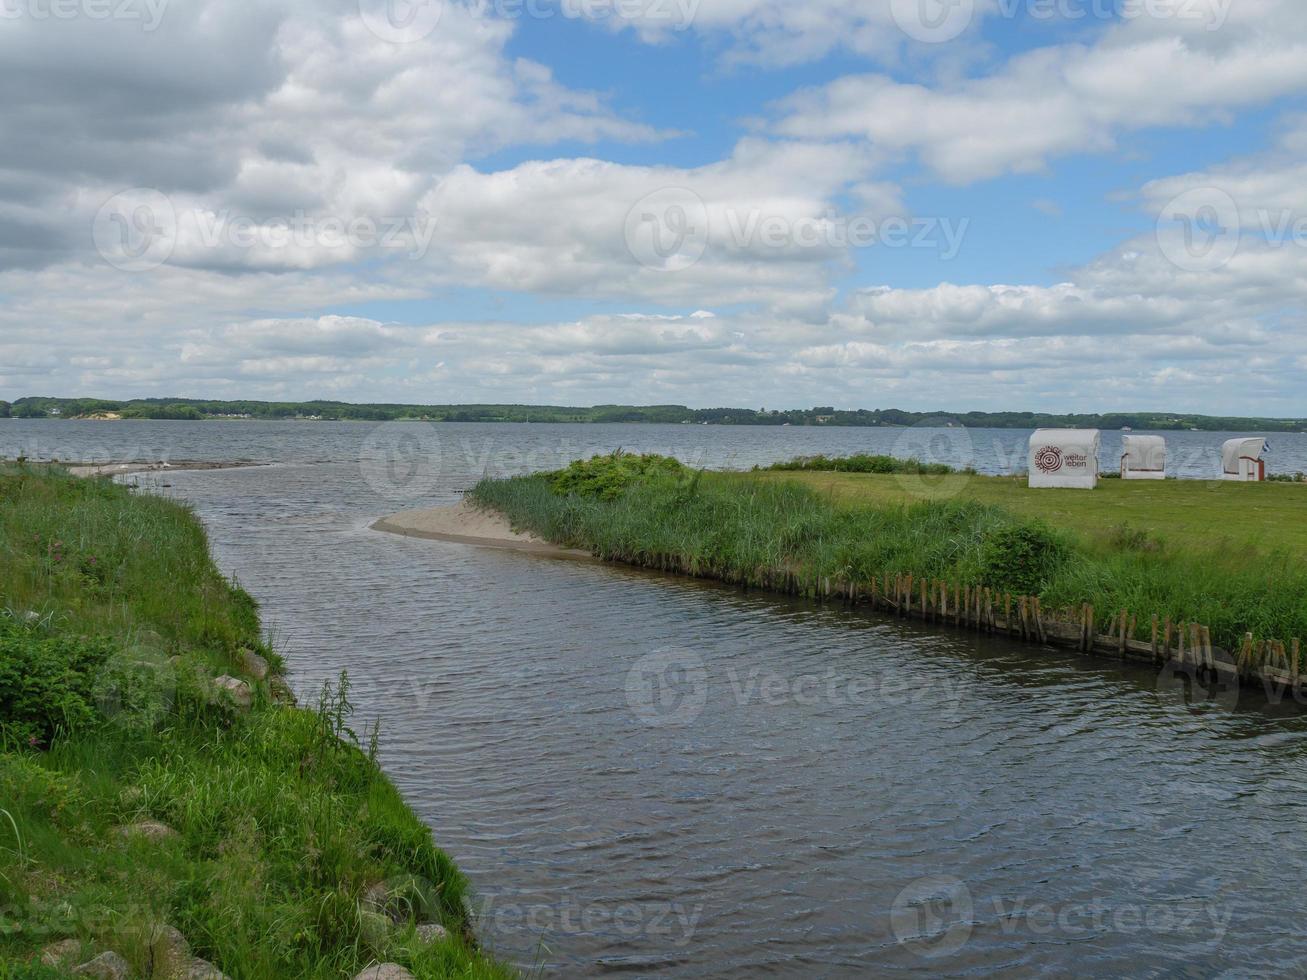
(1071, 98)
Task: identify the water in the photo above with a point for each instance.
(655, 777)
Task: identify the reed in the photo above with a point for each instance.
(758, 531)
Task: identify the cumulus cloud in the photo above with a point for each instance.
(1072, 98)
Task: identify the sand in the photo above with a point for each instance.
(121, 469)
(465, 523)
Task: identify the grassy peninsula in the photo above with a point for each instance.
(164, 807)
(1231, 557)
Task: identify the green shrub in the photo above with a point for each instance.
(864, 463)
(1021, 558)
(47, 683)
(608, 477)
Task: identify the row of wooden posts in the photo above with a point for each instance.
(1022, 617)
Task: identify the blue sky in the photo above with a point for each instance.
(1041, 174)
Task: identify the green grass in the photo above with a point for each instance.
(1187, 514)
(1194, 554)
(283, 818)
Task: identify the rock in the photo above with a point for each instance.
(254, 665)
(106, 966)
(149, 829)
(281, 690)
(202, 970)
(61, 953)
(402, 899)
(238, 690)
(431, 932)
(170, 953)
(385, 971)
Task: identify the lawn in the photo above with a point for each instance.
(1186, 514)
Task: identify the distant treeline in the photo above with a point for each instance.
(192, 409)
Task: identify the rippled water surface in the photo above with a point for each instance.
(650, 776)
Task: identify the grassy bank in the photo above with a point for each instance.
(136, 798)
(1220, 567)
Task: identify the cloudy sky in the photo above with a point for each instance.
(955, 204)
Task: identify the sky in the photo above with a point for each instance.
(1045, 205)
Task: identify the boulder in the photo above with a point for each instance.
(431, 932)
(238, 690)
(253, 665)
(149, 829)
(106, 966)
(202, 970)
(385, 971)
(281, 690)
(170, 953)
(62, 953)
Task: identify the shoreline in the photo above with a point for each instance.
(125, 804)
(467, 523)
(125, 469)
(966, 564)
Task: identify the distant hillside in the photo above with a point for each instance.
(193, 409)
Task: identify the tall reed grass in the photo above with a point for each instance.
(766, 533)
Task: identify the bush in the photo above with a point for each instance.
(1021, 558)
(608, 477)
(47, 683)
(863, 463)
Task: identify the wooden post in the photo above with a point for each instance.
(1293, 661)
(1180, 654)
(1153, 644)
(1120, 640)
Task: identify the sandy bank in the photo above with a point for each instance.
(121, 469)
(467, 524)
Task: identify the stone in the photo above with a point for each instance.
(385, 971)
(254, 665)
(203, 970)
(106, 966)
(170, 953)
(431, 932)
(148, 829)
(402, 898)
(61, 953)
(238, 690)
(281, 690)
